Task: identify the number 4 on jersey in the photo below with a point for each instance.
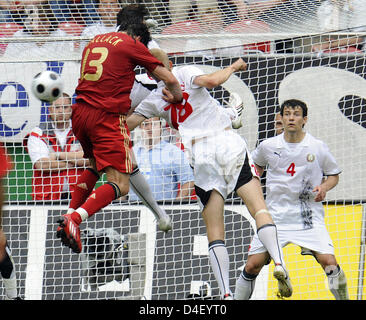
(291, 169)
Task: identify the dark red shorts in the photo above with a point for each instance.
(103, 136)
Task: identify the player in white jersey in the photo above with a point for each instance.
(300, 171)
(219, 158)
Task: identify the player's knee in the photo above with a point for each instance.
(252, 268)
(119, 189)
(124, 189)
(327, 261)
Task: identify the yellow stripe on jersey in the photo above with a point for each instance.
(126, 143)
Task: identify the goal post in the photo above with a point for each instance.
(281, 65)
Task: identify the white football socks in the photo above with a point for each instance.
(142, 189)
(337, 283)
(219, 259)
(244, 286)
(267, 234)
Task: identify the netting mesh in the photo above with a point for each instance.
(297, 49)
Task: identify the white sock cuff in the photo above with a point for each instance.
(83, 213)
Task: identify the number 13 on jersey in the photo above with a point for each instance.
(96, 63)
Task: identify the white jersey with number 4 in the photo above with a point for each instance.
(293, 170)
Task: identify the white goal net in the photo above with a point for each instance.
(307, 50)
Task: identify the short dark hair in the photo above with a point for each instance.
(130, 14)
(292, 103)
(139, 30)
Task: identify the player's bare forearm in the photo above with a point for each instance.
(51, 164)
(328, 184)
(185, 191)
(134, 120)
(217, 78)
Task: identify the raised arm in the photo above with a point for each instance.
(213, 80)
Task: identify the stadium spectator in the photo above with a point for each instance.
(254, 9)
(210, 20)
(80, 11)
(278, 124)
(300, 171)
(55, 153)
(6, 12)
(163, 164)
(220, 160)
(99, 119)
(39, 21)
(7, 267)
(341, 15)
(180, 10)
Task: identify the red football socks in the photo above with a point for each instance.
(84, 187)
(99, 199)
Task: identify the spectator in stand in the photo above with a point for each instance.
(80, 11)
(278, 124)
(339, 15)
(211, 20)
(180, 9)
(56, 155)
(253, 9)
(6, 12)
(107, 11)
(39, 21)
(163, 164)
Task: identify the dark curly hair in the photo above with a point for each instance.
(139, 30)
(131, 14)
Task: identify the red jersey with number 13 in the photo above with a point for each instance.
(107, 71)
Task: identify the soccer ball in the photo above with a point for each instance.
(47, 86)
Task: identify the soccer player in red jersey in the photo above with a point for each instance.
(7, 269)
(99, 119)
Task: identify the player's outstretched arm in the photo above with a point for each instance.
(213, 80)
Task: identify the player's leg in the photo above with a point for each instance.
(109, 144)
(7, 271)
(84, 186)
(117, 186)
(142, 189)
(213, 216)
(7, 266)
(336, 277)
(246, 281)
(252, 195)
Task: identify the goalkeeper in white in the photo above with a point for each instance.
(300, 171)
(219, 158)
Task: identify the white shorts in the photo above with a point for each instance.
(218, 160)
(316, 239)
